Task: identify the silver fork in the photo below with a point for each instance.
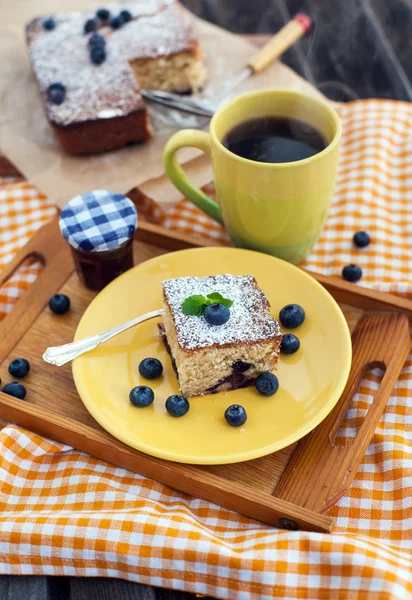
(60, 355)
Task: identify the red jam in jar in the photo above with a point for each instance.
(99, 227)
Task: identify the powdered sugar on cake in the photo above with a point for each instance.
(159, 28)
(250, 321)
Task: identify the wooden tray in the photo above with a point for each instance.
(290, 488)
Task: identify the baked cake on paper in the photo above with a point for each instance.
(209, 358)
(145, 43)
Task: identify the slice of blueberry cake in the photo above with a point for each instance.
(223, 344)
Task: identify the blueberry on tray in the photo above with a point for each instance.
(19, 367)
(15, 389)
(59, 304)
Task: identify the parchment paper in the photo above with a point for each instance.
(27, 140)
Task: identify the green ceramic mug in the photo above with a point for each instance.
(277, 208)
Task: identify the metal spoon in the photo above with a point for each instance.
(60, 355)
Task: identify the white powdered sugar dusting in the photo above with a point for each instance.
(249, 322)
(158, 28)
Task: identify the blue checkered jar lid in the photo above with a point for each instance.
(98, 221)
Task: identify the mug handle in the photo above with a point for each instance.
(196, 139)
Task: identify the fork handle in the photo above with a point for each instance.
(60, 355)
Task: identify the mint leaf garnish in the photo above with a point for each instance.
(216, 297)
(194, 306)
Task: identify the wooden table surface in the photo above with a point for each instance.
(358, 49)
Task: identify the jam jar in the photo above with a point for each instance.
(99, 227)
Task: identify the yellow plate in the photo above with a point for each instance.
(311, 380)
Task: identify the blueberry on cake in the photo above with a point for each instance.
(230, 354)
(90, 65)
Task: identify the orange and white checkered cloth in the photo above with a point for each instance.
(65, 513)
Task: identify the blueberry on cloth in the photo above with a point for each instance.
(59, 304)
(235, 415)
(15, 389)
(352, 273)
(292, 316)
(177, 406)
(267, 384)
(361, 239)
(19, 367)
(141, 396)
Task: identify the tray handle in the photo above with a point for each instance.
(48, 246)
(319, 472)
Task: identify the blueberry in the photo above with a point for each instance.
(90, 25)
(15, 389)
(290, 344)
(217, 314)
(49, 24)
(235, 415)
(59, 304)
(103, 14)
(19, 367)
(150, 368)
(96, 39)
(125, 16)
(267, 384)
(361, 239)
(292, 316)
(352, 273)
(97, 54)
(141, 396)
(116, 22)
(240, 366)
(177, 406)
(56, 92)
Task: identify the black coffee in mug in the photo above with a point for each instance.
(274, 140)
